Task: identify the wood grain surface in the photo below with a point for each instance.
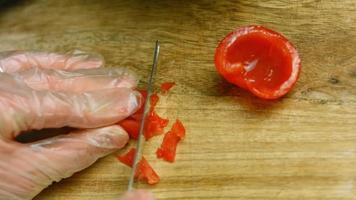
(237, 146)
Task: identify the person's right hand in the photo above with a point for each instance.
(48, 90)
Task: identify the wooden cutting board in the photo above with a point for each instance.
(237, 146)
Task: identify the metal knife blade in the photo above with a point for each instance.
(145, 112)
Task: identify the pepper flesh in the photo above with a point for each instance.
(154, 124)
(168, 148)
(128, 158)
(259, 60)
(131, 126)
(144, 171)
(166, 86)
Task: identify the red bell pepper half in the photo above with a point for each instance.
(259, 60)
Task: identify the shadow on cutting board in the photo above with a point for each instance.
(245, 98)
(35, 135)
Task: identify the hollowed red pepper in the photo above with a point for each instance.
(259, 60)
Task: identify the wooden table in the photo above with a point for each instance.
(237, 146)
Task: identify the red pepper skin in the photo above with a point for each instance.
(144, 171)
(154, 125)
(131, 126)
(128, 158)
(168, 148)
(154, 100)
(166, 86)
(259, 60)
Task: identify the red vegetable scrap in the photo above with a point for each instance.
(166, 86)
(128, 158)
(144, 171)
(154, 100)
(131, 126)
(138, 115)
(167, 151)
(259, 60)
(178, 129)
(154, 125)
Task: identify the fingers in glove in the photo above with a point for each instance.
(16, 61)
(43, 109)
(79, 80)
(37, 165)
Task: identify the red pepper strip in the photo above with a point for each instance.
(166, 86)
(144, 171)
(167, 151)
(131, 126)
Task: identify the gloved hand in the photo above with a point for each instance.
(48, 90)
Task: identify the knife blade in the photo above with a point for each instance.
(145, 112)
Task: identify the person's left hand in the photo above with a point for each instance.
(47, 90)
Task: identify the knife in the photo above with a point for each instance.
(146, 108)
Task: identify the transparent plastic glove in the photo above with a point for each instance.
(47, 90)
(137, 195)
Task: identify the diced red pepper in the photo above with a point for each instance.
(166, 86)
(168, 148)
(154, 125)
(154, 100)
(136, 116)
(167, 151)
(128, 158)
(131, 126)
(178, 129)
(144, 171)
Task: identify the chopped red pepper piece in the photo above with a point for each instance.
(154, 101)
(166, 86)
(131, 126)
(154, 125)
(144, 171)
(178, 129)
(128, 158)
(136, 116)
(259, 60)
(167, 151)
